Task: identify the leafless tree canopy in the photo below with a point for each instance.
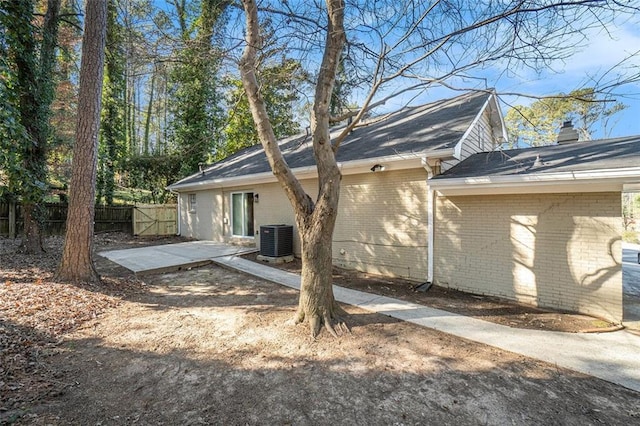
(397, 46)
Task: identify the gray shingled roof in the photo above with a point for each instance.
(413, 130)
(600, 154)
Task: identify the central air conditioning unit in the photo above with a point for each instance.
(276, 240)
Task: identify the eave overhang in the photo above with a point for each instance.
(577, 181)
(390, 163)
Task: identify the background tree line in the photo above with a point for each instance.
(172, 99)
(169, 103)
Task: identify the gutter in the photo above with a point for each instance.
(257, 178)
(395, 162)
(587, 180)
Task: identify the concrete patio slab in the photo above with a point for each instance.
(172, 257)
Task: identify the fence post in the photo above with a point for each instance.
(12, 219)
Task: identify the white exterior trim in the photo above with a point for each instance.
(578, 181)
(504, 135)
(430, 231)
(492, 100)
(232, 212)
(395, 162)
(457, 150)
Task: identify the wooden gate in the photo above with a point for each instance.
(155, 219)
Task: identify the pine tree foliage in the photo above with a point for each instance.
(539, 123)
(196, 105)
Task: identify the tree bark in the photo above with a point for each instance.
(147, 123)
(315, 220)
(35, 101)
(77, 257)
(32, 231)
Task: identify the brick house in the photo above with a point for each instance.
(538, 225)
(382, 221)
(412, 205)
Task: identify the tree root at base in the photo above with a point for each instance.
(333, 321)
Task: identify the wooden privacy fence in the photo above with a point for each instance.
(9, 212)
(107, 219)
(155, 219)
(112, 218)
(147, 220)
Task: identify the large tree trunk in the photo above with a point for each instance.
(315, 221)
(37, 91)
(317, 304)
(147, 123)
(32, 232)
(77, 257)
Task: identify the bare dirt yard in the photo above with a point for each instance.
(210, 346)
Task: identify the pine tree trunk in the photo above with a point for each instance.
(77, 257)
(147, 122)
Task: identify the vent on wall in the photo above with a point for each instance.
(276, 240)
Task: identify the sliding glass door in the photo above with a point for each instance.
(242, 214)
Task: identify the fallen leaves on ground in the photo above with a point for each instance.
(35, 312)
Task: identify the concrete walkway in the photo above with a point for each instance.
(614, 357)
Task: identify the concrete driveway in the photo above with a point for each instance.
(172, 257)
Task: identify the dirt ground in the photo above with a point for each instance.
(493, 309)
(210, 346)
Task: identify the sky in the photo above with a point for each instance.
(603, 52)
(591, 65)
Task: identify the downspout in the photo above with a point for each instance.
(430, 221)
(223, 237)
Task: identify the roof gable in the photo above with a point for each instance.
(412, 131)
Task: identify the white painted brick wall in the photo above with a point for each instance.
(555, 250)
(382, 224)
(205, 223)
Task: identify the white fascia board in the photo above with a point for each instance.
(253, 179)
(503, 126)
(579, 181)
(394, 162)
(631, 187)
(457, 150)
